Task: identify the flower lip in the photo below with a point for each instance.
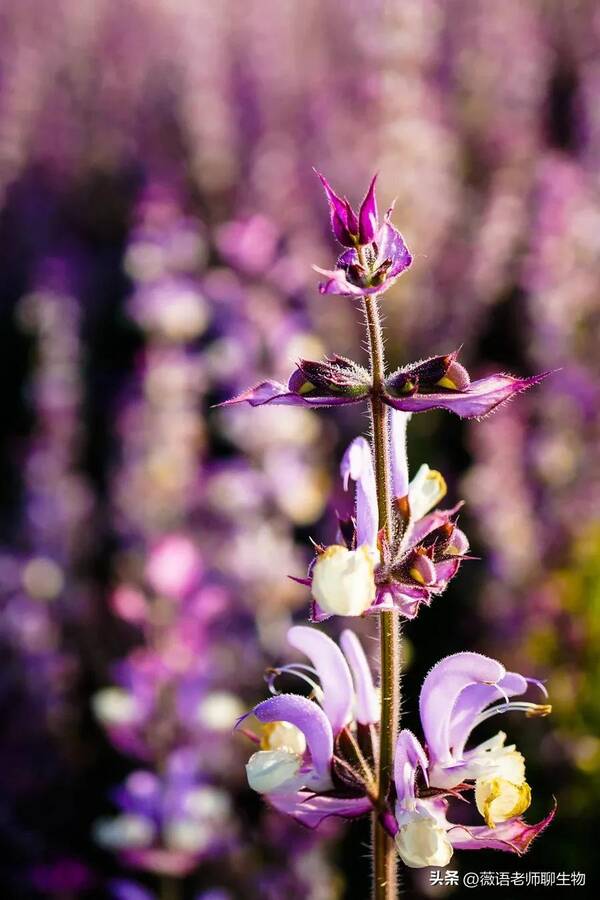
(499, 799)
(423, 842)
(343, 581)
(271, 771)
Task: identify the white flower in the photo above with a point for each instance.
(343, 581)
(273, 771)
(422, 841)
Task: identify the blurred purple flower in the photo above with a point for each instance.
(168, 823)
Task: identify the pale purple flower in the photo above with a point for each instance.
(301, 766)
(458, 694)
(316, 756)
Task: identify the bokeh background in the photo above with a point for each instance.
(158, 223)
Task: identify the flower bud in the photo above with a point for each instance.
(429, 375)
(273, 771)
(456, 378)
(422, 842)
(368, 222)
(336, 375)
(343, 581)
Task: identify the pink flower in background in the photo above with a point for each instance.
(174, 566)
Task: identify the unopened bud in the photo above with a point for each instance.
(456, 378)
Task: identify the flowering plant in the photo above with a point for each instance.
(340, 752)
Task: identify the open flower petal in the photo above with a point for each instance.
(442, 688)
(333, 672)
(408, 757)
(357, 464)
(367, 702)
(311, 809)
(473, 700)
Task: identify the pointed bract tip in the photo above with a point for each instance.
(368, 220)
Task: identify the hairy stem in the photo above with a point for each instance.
(385, 886)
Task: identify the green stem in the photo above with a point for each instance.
(385, 882)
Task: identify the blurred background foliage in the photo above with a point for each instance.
(158, 223)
